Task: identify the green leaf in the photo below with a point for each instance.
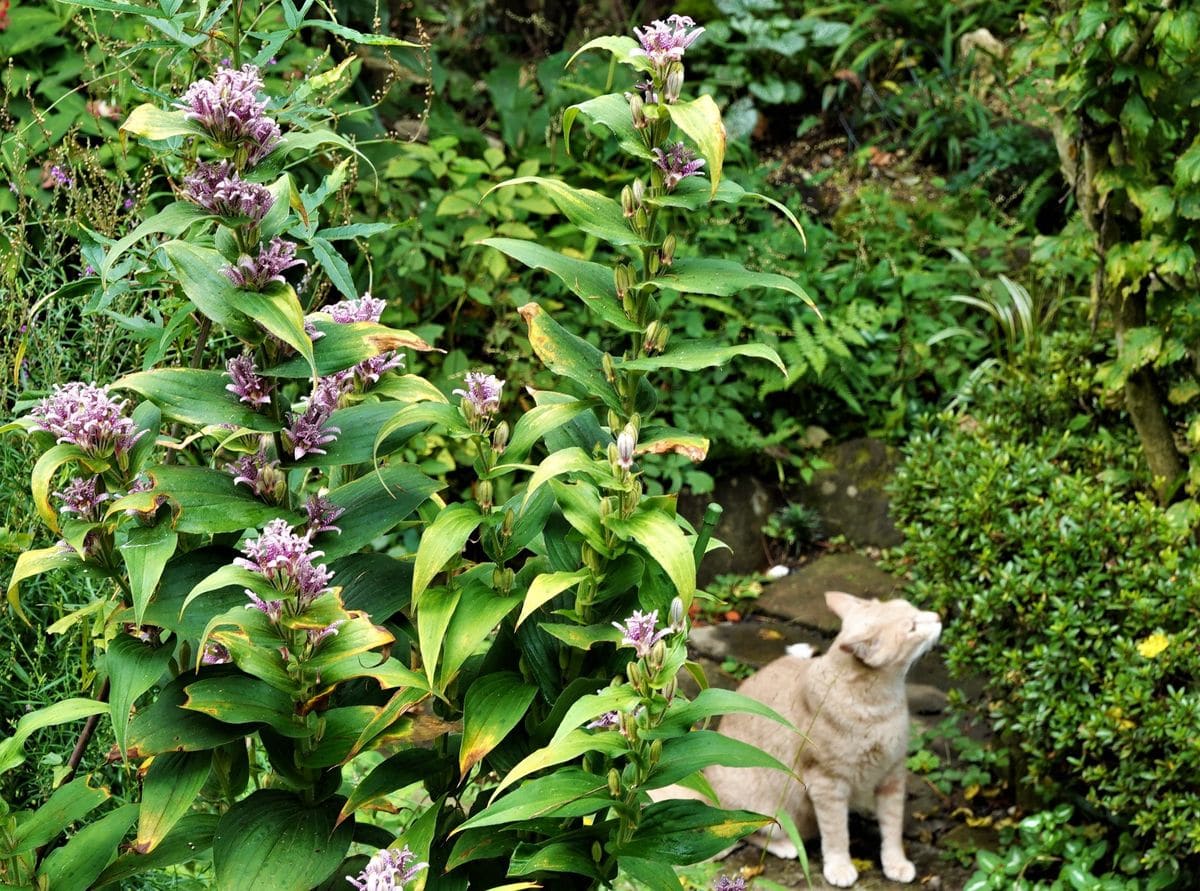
(594, 213)
(199, 272)
(209, 502)
(403, 769)
(538, 421)
(494, 705)
(195, 397)
(442, 541)
(273, 841)
(164, 726)
(651, 873)
(546, 587)
(621, 47)
(237, 699)
(477, 615)
(722, 278)
(569, 792)
(278, 310)
(687, 832)
(569, 460)
(344, 346)
(1187, 165)
(580, 503)
(169, 790)
(569, 355)
(12, 749)
(75, 866)
(700, 119)
(570, 857)
(590, 282)
(703, 354)
(572, 745)
(189, 840)
(42, 479)
(151, 122)
(66, 805)
(612, 112)
(34, 563)
(662, 538)
(174, 219)
(416, 416)
(704, 748)
(133, 667)
(433, 618)
(146, 551)
(593, 705)
(365, 39)
(708, 703)
(388, 714)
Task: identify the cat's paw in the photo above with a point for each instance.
(783, 848)
(840, 872)
(899, 869)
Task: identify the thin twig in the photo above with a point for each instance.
(85, 737)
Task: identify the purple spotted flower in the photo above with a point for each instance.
(388, 870)
(309, 431)
(285, 559)
(606, 721)
(83, 497)
(84, 415)
(481, 398)
(255, 273)
(677, 163)
(665, 42)
(321, 514)
(260, 474)
(639, 632)
(220, 190)
(365, 309)
(317, 636)
(228, 107)
(215, 654)
(724, 883)
(245, 382)
(272, 609)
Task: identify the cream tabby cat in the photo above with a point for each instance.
(850, 704)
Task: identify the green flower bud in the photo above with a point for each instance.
(637, 110)
(506, 527)
(667, 252)
(658, 655)
(483, 494)
(674, 84)
(610, 371)
(639, 192)
(628, 204)
(500, 438)
(656, 747)
(622, 279)
(614, 783)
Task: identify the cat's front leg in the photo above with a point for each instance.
(889, 809)
(831, 804)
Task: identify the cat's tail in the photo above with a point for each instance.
(801, 651)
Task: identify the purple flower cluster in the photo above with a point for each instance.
(321, 514)
(677, 163)
(219, 189)
(365, 309)
(606, 721)
(639, 632)
(316, 636)
(228, 107)
(724, 883)
(83, 497)
(215, 654)
(58, 177)
(245, 382)
(261, 474)
(84, 415)
(388, 870)
(482, 393)
(255, 273)
(285, 559)
(664, 42)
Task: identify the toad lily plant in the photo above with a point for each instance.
(307, 701)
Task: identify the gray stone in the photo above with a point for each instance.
(926, 699)
(851, 494)
(747, 505)
(751, 643)
(800, 597)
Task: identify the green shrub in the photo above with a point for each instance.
(1070, 592)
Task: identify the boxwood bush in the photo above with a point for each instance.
(1070, 592)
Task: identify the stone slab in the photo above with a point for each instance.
(751, 642)
(747, 505)
(800, 596)
(851, 494)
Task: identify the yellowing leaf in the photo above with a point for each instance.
(1153, 645)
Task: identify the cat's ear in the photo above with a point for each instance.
(867, 649)
(842, 603)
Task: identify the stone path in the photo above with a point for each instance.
(792, 610)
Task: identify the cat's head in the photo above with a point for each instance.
(883, 633)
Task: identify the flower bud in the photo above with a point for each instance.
(622, 279)
(610, 372)
(628, 204)
(674, 85)
(641, 221)
(669, 688)
(637, 110)
(667, 253)
(655, 339)
(641, 718)
(639, 191)
(589, 557)
(274, 483)
(606, 508)
(675, 616)
(628, 725)
(483, 493)
(597, 852)
(656, 747)
(506, 527)
(624, 448)
(500, 438)
(636, 676)
(614, 783)
(658, 655)
(652, 265)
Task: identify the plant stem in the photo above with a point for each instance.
(85, 737)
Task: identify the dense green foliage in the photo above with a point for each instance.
(1068, 590)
